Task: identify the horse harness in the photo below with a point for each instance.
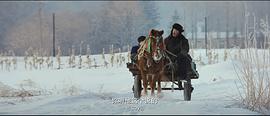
(157, 55)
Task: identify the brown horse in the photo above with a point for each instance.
(151, 61)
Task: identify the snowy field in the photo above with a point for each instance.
(108, 90)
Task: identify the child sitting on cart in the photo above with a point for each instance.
(134, 56)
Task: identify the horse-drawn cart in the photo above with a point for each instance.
(169, 73)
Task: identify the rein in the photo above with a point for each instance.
(149, 44)
(170, 53)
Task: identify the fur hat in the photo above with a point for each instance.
(141, 38)
(178, 27)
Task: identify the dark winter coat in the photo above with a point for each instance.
(133, 53)
(179, 46)
(134, 49)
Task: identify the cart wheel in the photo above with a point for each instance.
(187, 90)
(137, 87)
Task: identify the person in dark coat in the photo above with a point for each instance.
(135, 48)
(177, 47)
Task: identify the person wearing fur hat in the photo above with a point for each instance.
(177, 47)
(135, 48)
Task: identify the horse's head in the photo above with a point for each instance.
(152, 45)
(157, 43)
(156, 35)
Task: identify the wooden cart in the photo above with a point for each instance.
(170, 77)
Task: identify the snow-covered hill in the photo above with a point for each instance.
(108, 91)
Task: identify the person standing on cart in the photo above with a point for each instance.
(177, 47)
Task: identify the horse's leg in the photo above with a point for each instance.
(159, 83)
(152, 84)
(160, 75)
(144, 77)
(154, 81)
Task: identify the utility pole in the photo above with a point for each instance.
(267, 31)
(218, 33)
(227, 26)
(246, 14)
(53, 35)
(196, 31)
(205, 21)
(192, 31)
(205, 26)
(254, 31)
(192, 28)
(81, 47)
(184, 19)
(40, 26)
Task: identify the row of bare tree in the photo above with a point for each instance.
(25, 24)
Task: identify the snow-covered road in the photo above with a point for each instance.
(108, 91)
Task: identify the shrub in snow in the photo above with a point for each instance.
(225, 55)
(69, 59)
(14, 60)
(27, 54)
(95, 63)
(123, 59)
(254, 77)
(48, 62)
(80, 62)
(80, 56)
(88, 59)
(209, 55)
(6, 91)
(34, 61)
(112, 59)
(58, 57)
(103, 57)
(200, 60)
(30, 64)
(118, 59)
(7, 63)
(1, 61)
(112, 55)
(216, 57)
(128, 54)
(69, 88)
(73, 58)
(27, 88)
(253, 73)
(40, 62)
(72, 90)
